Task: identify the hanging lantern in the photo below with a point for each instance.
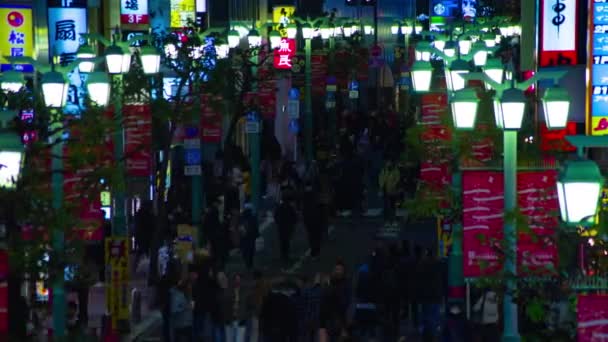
(422, 73)
(464, 105)
(494, 70)
(150, 60)
(98, 87)
(556, 105)
(117, 60)
(579, 184)
(86, 55)
(454, 74)
(512, 109)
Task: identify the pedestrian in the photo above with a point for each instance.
(310, 307)
(366, 299)
(486, 316)
(203, 293)
(255, 302)
(249, 232)
(279, 319)
(335, 303)
(312, 215)
(217, 232)
(234, 309)
(219, 316)
(430, 293)
(286, 218)
(389, 185)
(181, 311)
(391, 293)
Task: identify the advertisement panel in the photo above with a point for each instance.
(558, 26)
(182, 13)
(597, 87)
(138, 139)
(16, 36)
(483, 211)
(284, 54)
(211, 120)
(281, 16)
(134, 12)
(117, 279)
(592, 317)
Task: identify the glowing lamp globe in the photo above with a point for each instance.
(579, 185)
(494, 70)
(464, 104)
(12, 81)
(150, 60)
(423, 51)
(454, 74)
(54, 89)
(422, 73)
(117, 60)
(556, 105)
(85, 54)
(307, 31)
(254, 39)
(98, 86)
(512, 109)
(234, 38)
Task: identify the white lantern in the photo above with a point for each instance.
(98, 87)
(85, 54)
(464, 104)
(254, 39)
(454, 74)
(407, 29)
(395, 28)
(422, 73)
(307, 31)
(292, 31)
(54, 89)
(117, 61)
(556, 105)
(512, 108)
(150, 60)
(579, 184)
(423, 51)
(494, 70)
(11, 153)
(464, 46)
(12, 81)
(450, 49)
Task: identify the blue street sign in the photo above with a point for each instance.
(353, 85)
(294, 126)
(252, 116)
(193, 156)
(294, 94)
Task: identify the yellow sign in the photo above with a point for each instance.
(16, 35)
(281, 16)
(184, 247)
(183, 13)
(117, 279)
(444, 238)
(599, 125)
(106, 198)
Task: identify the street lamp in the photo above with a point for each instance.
(234, 38)
(578, 189)
(423, 51)
(98, 87)
(11, 152)
(86, 55)
(480, 53)
(464, 104)
(292, 30)
(556, 107)
(449, 48)
(275, 39)
(454, 74)
(422, 72)
(54, 89)
(12, 81)
(464, 46)
(254, 39)
(494, 69)
(150, 60)
(512, 109)
(117, 60)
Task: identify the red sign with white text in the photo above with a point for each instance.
(211, 120)
(284, 53)
(555, 139)
(592, 318)
(134, 12)
(138, 139)
(483, 210)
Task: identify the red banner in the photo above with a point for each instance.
(592, 318)
(89, 210)
(211, 120)
(138, 139)
(319, 69)
(555, 139)
(483, 210)
(435, 171)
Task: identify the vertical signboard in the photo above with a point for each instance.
(67, 21)
(134, 12)
(281, 16)
(558, 26)
(117, 279)
(16, 36)
(597, 90)
(182, 13)
(284, 53)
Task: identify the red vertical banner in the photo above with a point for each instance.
(435, 170)
(537, 200)
(482, 212)
(592, 318)
(138, 139)
(211, 119)
(88, 207)
(267, 92)
(319, 73)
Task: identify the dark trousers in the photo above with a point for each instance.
(284, 245)
(183, 334)
(390, 201)
(314, 240)
(166, 314)
(248, 251)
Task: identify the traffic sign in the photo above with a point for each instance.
(192, 143)
(353, 94)
(293, 108)
(193, 156)
(192, 170)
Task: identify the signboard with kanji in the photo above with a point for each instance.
(281, 16)
(134, 12)
(117, 278)
(16, 35)
(284, 54)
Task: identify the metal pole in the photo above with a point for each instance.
(197, 179)
(308, 102)
(455, 273)
(254, 143)
(59, 298)
(119, 214)
(510, 331)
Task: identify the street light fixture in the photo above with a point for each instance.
(254, 39)
(11, 152)
(464, 104)
(556, 107)
(454, 73)
(464, 46)
(480, 53)
(395, 28)
(117, 60)
(512, 109)
(150, 60)
(233, 38)
(292, 30)
(86, 55)
(578, 189)
(449, 48)
(275, 39)
(12, 81)
(98, 87)
(307, 31)
(494, 69)
(423, 51)
(54, 89)
(422, 72)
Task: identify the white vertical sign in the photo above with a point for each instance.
(559, 25)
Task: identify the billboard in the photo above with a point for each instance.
(16, 36)
(597, 87)
(281, 16)
(182, 12)
(558, 24)
(134, 12)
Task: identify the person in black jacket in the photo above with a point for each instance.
(286, 218)
(312, 214)
(279, 316)
(203, 293)
(249, 233)
(217, 234)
